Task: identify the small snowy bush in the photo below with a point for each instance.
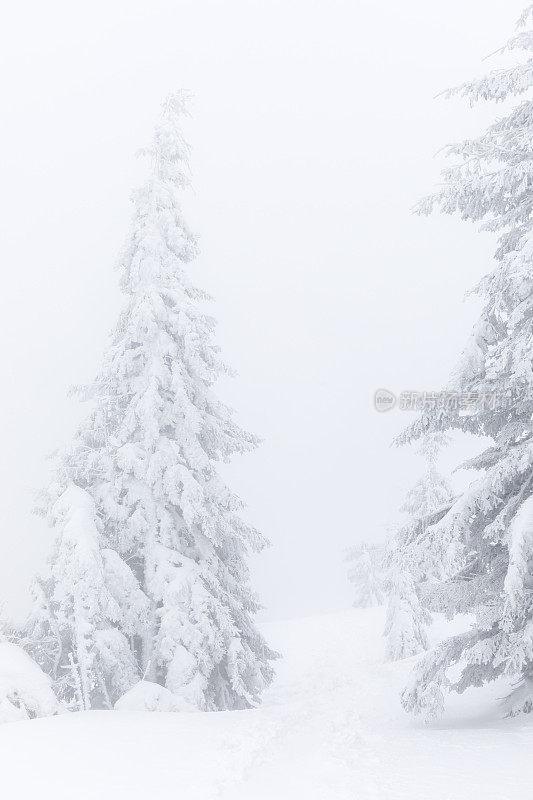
(148, 696)
(25, 691)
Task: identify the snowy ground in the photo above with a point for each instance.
(330, 728)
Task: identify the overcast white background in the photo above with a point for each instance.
(314, 131)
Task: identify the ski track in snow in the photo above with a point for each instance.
(330, 728)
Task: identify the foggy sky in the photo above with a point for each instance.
(314, 131)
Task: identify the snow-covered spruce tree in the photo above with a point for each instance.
(366, 574)
(408, 572)
(485, 541)
(146, 457)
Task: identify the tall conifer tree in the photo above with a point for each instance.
(485, 541)
(146, 458)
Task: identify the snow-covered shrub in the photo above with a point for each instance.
(25, 691)
(86, 608)
(148, 696)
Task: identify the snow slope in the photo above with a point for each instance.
(330, 728)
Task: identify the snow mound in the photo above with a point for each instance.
(148, 696)
(25, 691)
